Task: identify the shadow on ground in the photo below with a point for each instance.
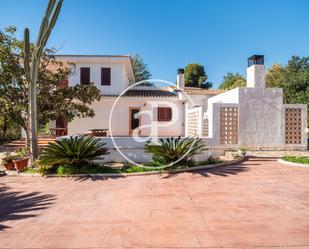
(96, 178)
(224, 170)
(263, 159)
(16, 205)
(220, 171)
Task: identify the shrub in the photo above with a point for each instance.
(9, 157)
(296, 159)
(44, 168)
(72, 151)
(241, 152)
(23, 152)
(18, 154)
(170, 150)
(132, 168)
(88, 168)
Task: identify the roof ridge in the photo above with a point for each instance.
(202, 91)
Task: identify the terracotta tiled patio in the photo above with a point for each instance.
(255, 204)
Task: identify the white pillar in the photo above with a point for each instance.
(181, 78)
(256, 76)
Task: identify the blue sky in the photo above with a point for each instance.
(220, 34)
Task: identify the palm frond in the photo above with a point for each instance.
(170, 150)
(73, 150)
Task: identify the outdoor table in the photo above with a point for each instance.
(57, 131)
(99, 132)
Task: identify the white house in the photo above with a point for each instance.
(113, 75)
(252, 117)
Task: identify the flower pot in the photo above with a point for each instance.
(21, 164)
(9, 166)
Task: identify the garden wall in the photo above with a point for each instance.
(135, 150)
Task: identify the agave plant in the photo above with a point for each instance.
(175, 150)
(73, 151)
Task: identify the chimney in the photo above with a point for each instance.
(256, 71)
(181, 78)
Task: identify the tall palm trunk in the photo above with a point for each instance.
(33, 118)
(32, 68)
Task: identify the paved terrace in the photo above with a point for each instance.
(258, 203)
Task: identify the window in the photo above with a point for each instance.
(105, 76)
(85, 75)
(164, 114)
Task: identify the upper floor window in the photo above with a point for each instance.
(105, 76)
(85, 75)
(164, 114)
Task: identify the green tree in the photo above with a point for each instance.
(8, 129)
(196, 76)
(140, 69)
(275, 76)
(293, 78)
(53, 100)
(231, 81)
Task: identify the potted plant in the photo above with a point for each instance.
(7, 161)
(21, 162)
(241, 152)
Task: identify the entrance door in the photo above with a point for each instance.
(61, 126)
(134, 119)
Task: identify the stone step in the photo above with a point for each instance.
(22, 142)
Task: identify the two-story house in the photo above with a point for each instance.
(139, 106)
(253, 116)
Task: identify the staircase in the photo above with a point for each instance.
(43, 141)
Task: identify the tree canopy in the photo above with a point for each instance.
(293, 78)
(195, 76)
(140, 69)
(53, 100)
(274, 76)
(231, 81)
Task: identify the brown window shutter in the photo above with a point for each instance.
(105, 76)
(85, 75)
(164, 114)
(168, 114)
(160, 114)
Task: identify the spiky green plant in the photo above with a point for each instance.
(175, 150)
(32, 64)
(74, 151)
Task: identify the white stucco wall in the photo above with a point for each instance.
(119, 79)
(120, 117)
(229, 97)
(260, 120)
(256, 76)
(198, 100)
(135, 150)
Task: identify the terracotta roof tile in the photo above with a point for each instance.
(202, 91)
(146, 93)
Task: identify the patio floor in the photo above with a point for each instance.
(258, 203)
